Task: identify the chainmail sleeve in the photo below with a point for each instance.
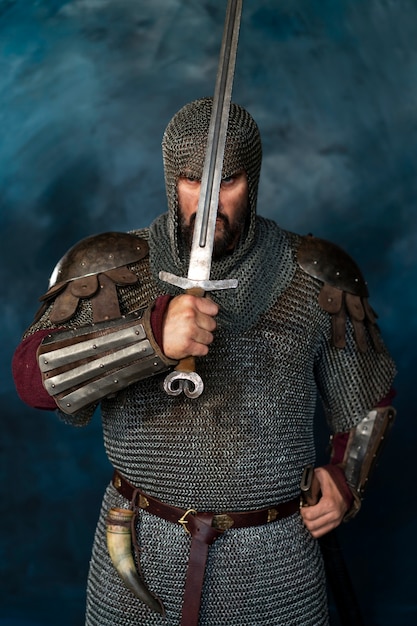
(351, 382)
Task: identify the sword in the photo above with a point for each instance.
(184, 377)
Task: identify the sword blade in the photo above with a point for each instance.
(205, 223)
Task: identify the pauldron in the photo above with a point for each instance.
(93, 268)
(344, 292)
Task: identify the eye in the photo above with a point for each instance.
(228, 180)
(190, 179)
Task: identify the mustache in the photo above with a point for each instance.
(220, 216)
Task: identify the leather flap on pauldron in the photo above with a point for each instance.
(339, 329)
(64, 306)
(66, 303)
(330, 299)
(355, 308)
(84, 287)
(122, 276)
(105, 304)
(357, 316)
(340, 305)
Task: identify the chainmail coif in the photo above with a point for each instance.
(262, 253)
(184, 147)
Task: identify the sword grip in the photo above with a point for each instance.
(195, 291)
(188, 363)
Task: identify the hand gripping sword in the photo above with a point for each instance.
(184, 378)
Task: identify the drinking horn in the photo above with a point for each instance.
(119, 544)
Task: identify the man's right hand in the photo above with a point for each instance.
(188, 326)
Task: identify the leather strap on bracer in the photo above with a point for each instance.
(82, 366)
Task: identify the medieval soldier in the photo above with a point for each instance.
(201, 522)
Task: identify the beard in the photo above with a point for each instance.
(226, 236)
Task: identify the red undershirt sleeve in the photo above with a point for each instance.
(27, 375)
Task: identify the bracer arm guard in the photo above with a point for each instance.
(362, 451)
(82, 366)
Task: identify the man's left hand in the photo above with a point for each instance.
(328, 513)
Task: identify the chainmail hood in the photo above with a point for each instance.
(184, 147)
(262, 260)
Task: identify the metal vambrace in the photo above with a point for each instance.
(362, 451)
(81, 366)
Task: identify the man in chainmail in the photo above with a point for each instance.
(206, 491)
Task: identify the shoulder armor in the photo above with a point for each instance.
(92, 269)
(344, 292)
(96, 254)
(331, 264)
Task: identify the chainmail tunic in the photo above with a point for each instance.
(242, 445)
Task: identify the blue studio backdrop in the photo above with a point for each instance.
(86, 90)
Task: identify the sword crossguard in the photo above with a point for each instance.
(203, 285)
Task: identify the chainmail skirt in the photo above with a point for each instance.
(259, 576)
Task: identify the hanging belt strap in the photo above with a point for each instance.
(203, 534)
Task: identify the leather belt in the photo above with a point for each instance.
(204, 528)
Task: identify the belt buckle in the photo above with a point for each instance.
(183, 521)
